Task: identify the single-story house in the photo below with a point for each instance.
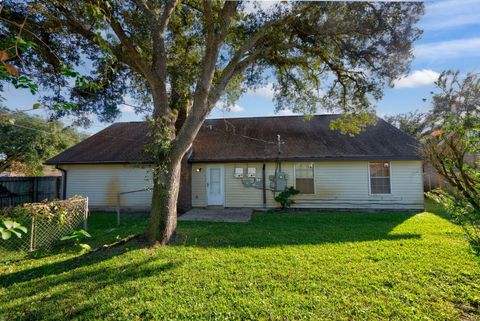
(246, 162)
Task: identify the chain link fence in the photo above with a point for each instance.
(44, 231)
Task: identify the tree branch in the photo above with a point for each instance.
(145, 9)
(159, 59)
(215, 39)
(126, 42)
(77, 28)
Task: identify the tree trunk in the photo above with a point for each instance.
(163, 216)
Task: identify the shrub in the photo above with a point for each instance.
(77, 236)
(8, 227)
(284, 198)
(48, 221)
(462, 212)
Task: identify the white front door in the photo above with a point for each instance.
(215, 184)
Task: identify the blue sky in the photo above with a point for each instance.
(451, 40)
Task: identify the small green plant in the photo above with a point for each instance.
(284, 198)
(9, 227)
(77, 236)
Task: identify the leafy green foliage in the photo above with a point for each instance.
(11, 50)
(453, 150)
(77, 236)
(302, 266)
(462, 212)
(456, 98)
(54, 211)
(323, 55)
(10, 47)
(285, 197)
(412, 123)
(11, 227)
(454, 154)
(27, 141)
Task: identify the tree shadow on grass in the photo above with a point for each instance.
(37, 288)
(69, 264)
(278, 229)
(440, 211)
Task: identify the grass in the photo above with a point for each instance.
(338, 266)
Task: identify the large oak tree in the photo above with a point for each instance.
(178, 59)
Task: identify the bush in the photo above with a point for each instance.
(7, 228)
(462, 212)
(48, 221)
(50, 210)
(284, 198)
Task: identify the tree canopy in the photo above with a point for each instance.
(457, 98)
(452, 147)
(27, 141)
(330, 56)
(412, 123)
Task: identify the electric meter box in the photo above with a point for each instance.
(278, 182)
(238, 172)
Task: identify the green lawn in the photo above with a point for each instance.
(338, 266)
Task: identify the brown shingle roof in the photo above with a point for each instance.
(252, 139)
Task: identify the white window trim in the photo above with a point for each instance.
(295, 177)
(370, 180)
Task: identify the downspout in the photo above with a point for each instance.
(64, 183)
(264, 187)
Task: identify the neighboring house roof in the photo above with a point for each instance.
(251, 139)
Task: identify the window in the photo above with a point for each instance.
(380, 178)
(304, 178)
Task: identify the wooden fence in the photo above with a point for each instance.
(19, 190)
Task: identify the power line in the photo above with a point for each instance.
(244, 136)
(227, 123)
(44, 131)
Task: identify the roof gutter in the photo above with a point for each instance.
(64, 183)
(309, 159)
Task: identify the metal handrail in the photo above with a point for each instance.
(128, 192)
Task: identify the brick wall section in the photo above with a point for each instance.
(185, 194)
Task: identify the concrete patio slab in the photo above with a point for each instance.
(218, 215)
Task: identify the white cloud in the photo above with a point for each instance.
(126, 109)
(234, 109)
(448, 49)
(450, 14)
(417, 78)
(286, 112)
(265, 91)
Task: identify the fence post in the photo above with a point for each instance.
(85, 219)
(32, 236)
(118, 209)
(58, 185)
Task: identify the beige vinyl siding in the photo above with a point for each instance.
(337, 185)
(346, 185)
(199, 185)
(236, 195)
(102, 182)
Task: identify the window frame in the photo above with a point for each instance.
(370, 178)
(295, 177)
